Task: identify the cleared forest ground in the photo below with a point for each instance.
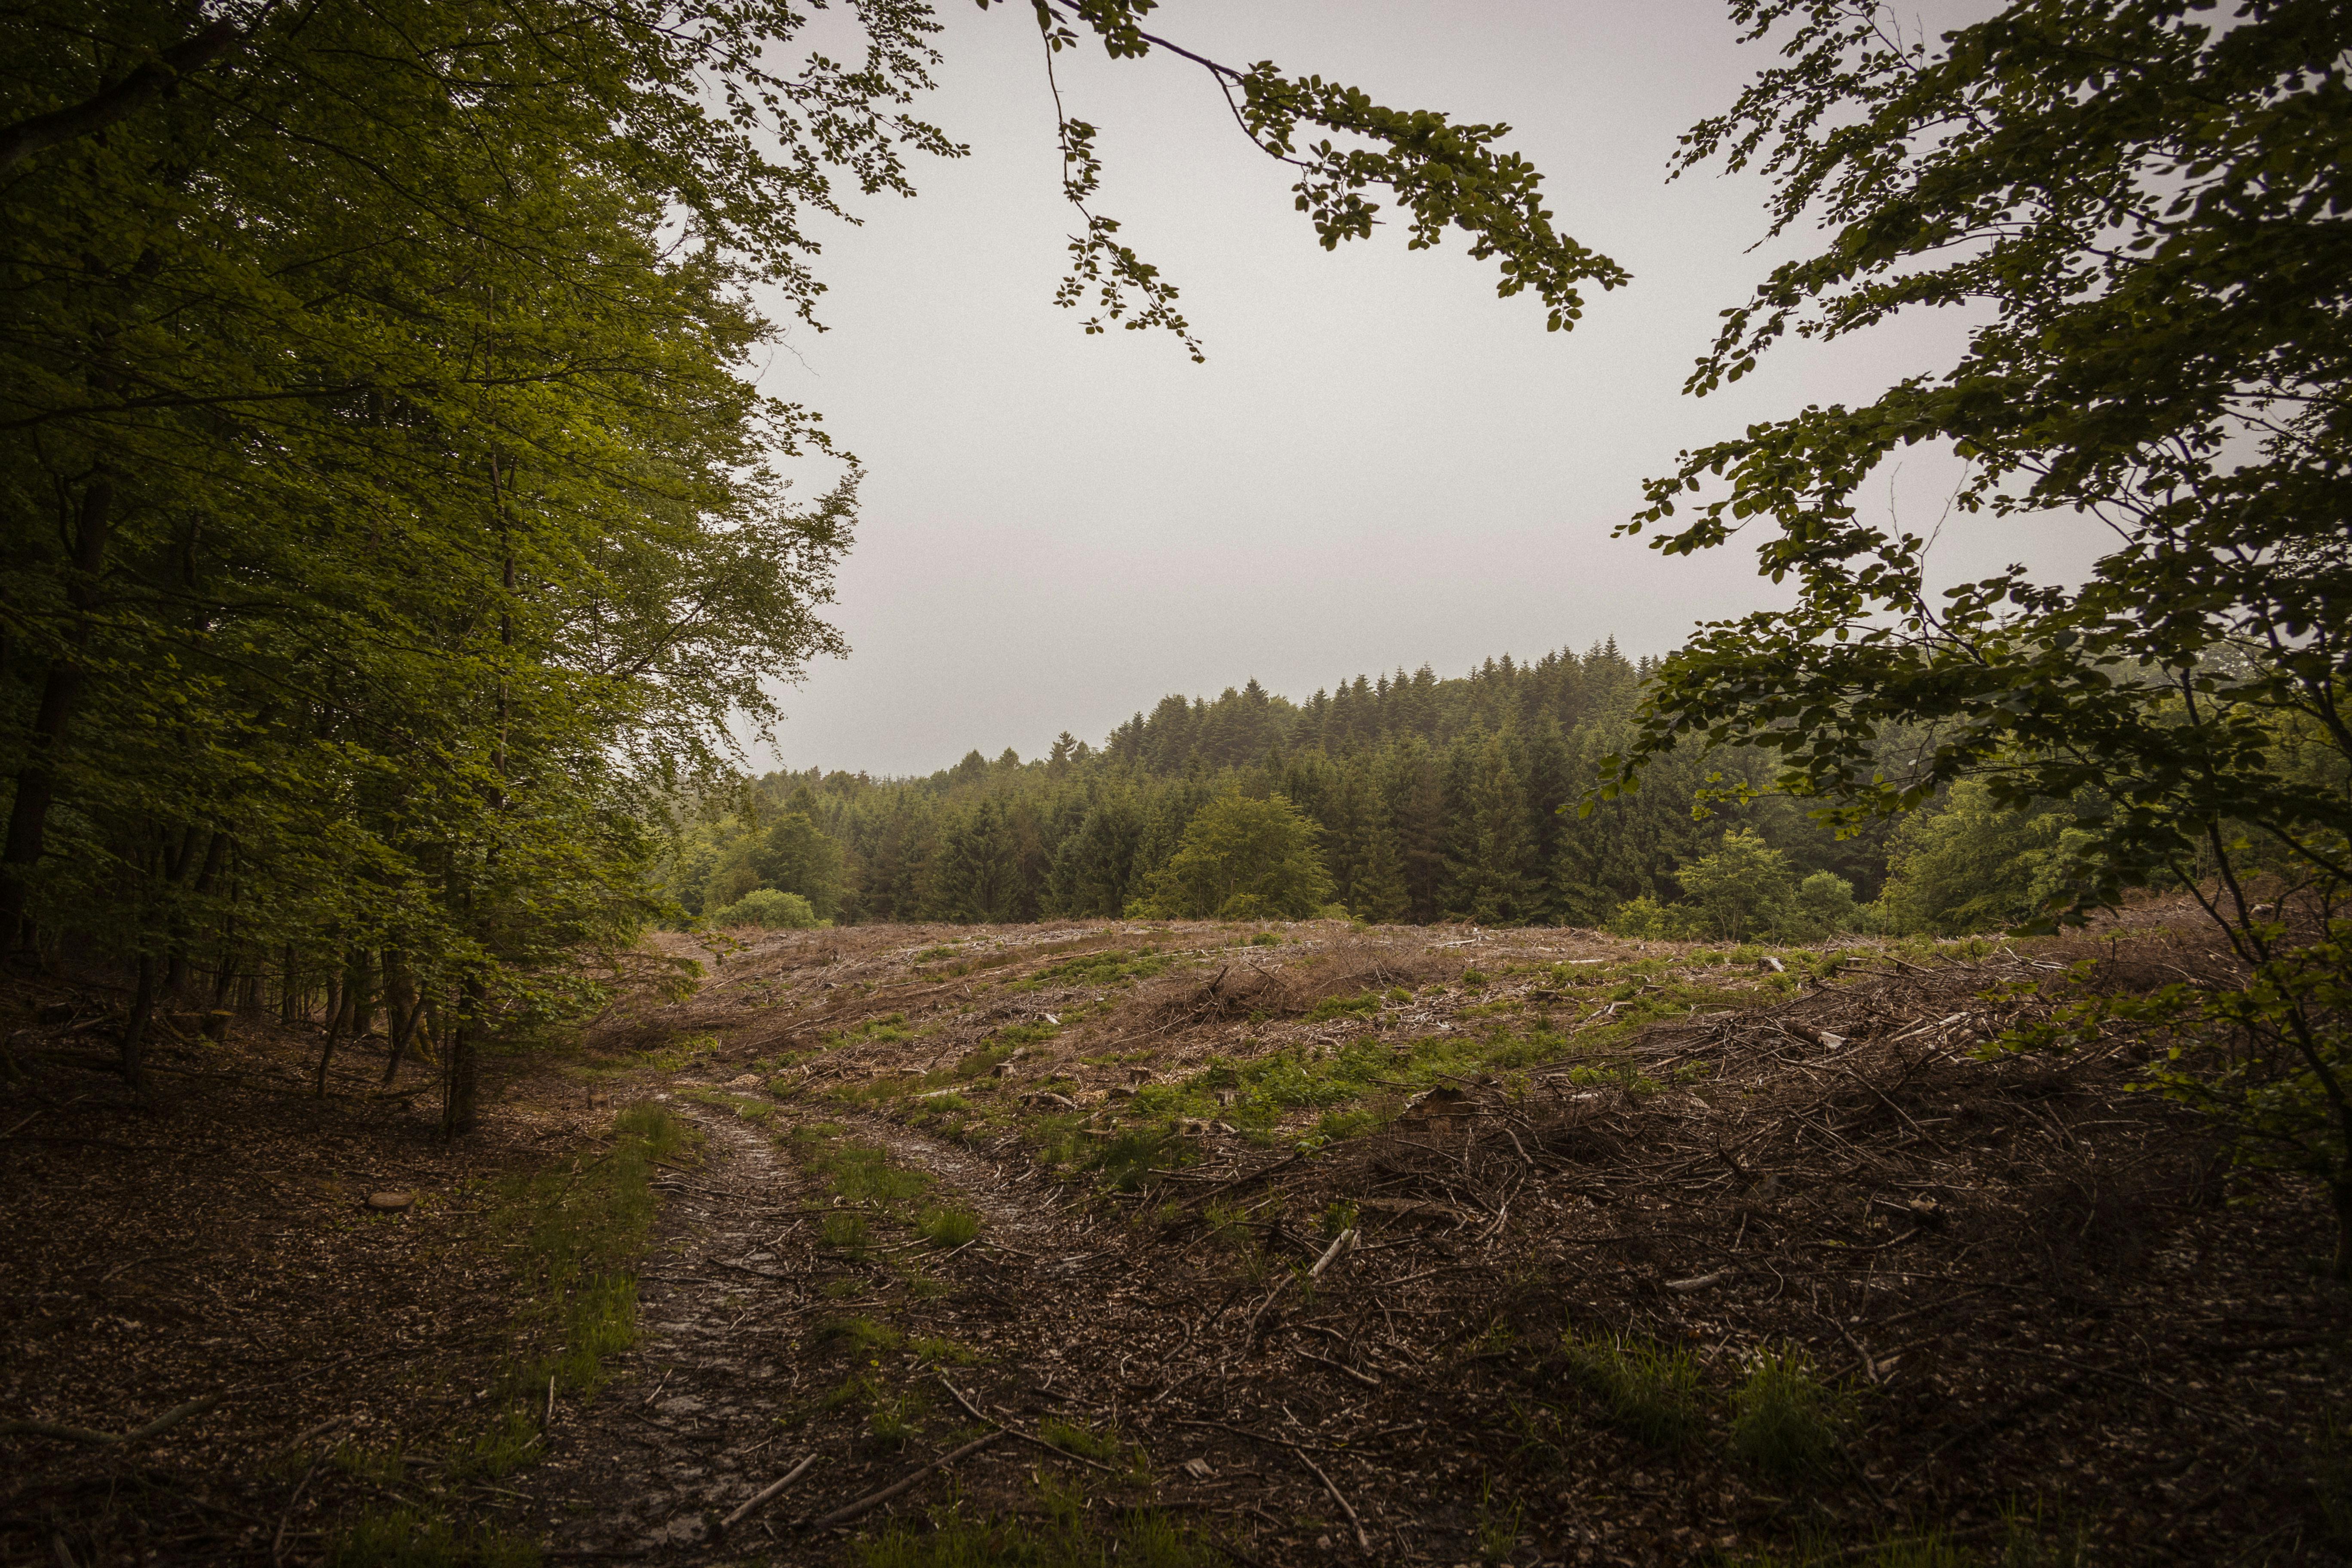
(1200, 1243)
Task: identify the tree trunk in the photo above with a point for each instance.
(134, 1028)
(334, 1032)
(2340, 1190)
(286, 987)
(360, 986)
(175, 980)
(36, 781)
(461, 1102)
(403, 1008)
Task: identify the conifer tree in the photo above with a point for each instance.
(977, 878)
(1491, 883)
(1376, 887)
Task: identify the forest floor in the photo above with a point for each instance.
(1181, 1245)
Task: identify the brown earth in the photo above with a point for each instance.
(2031, 1290)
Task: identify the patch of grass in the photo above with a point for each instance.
(892, 1421)
(976, 1064)
(1647, 1390)
(1361, 1081)
(1127, 1160)
(676, 1055)
(504, 1446)
(845, 1230)
(412, 1538)
(862, 1173)
(1084, 1441)
(888, 1029)
(859, 1335)
(1112, 967)
(935, 1349)
(856, 1390)
(574, 1234)
(1344, 1007)
(950, 1227)
(1061, 1140)
(1785, 1421)
(1498, 1527)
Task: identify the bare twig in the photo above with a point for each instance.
(875, 1499)
(155, 1428)
(767, 1494)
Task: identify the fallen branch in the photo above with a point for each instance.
(875, 1499)
(766, 1495)
(1365, 1378)
(1363, 1542)
(1002, 1425)
(155, 1428)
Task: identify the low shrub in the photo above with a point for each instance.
(770, 910)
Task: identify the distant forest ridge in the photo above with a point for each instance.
(1415, 799)
(1241, 725)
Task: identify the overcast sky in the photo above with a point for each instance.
(1380, 464)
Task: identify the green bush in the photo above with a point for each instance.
(1241, 859)
(1744, 889)
(767, 908)
(1825, 906)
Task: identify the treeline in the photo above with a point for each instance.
(1427, 800)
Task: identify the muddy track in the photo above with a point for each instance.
(1053, 1316)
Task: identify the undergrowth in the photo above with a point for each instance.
(573, 1233)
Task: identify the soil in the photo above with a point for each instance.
(2031, 1290)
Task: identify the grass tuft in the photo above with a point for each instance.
(950, 1227)
(1646, 1390)
(1083, 1441)
(1785, 1420)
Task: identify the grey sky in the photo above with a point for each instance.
(1381, 464)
